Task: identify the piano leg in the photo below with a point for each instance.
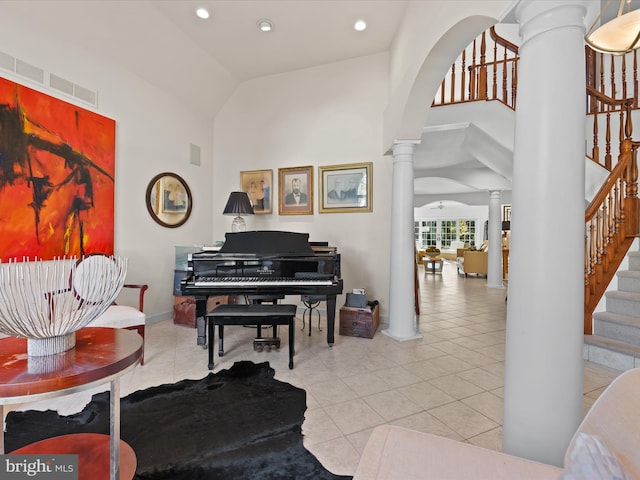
(211, 328)
(331, 319)
(201, 323)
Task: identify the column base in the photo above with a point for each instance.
(414, 336)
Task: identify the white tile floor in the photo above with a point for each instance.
(448, 383)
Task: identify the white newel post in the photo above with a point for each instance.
(494, 268)
(544, 340)
(402, 314)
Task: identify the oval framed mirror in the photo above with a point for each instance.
(169, 200)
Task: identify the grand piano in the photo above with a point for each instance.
(264, 263)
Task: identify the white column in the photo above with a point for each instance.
(494, 269)
(543, 358)
(402, 314)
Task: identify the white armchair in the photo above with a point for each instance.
(116, 316)
(125, 316)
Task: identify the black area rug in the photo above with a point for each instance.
(235, 424)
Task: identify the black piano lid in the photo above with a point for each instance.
(267, 242)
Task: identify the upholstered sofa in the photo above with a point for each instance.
(473, 261)
(452, 252)
(605, 446)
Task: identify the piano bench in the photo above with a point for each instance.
(249, 314)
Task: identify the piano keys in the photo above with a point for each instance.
(264, 263)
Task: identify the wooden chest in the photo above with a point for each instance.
(359, 322)
(184, 309)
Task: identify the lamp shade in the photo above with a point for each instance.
(506, 225)
(238, 204)
(617, 36)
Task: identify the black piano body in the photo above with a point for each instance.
(264, 263)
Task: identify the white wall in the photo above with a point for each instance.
(153, 133)
(326, 115)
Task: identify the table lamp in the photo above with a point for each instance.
(238, 205)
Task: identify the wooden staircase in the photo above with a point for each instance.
(487, 71)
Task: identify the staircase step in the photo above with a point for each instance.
(611, 353)
(629, 281)
(634, 260)
(623, 303)
(623, 328)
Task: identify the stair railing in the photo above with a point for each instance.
(611, 219)
(496, 67)
(610, 76)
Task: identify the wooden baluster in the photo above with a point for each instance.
(587, 263)
(602, 86)
(635, 79)
(612, 217)
(514, 82)
(613, 77)
(463, 73)
(624, 76)
(595, 151)
(495, 71)
(592, 250)
(621, 227)
(590, 59)
(452, 93)
(473, 73)
(442, 90)
(483, 67)
(505, 77)
(601, 240)
(607, 139)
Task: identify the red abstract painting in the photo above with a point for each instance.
(57, 170)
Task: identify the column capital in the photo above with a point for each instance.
(400, 147)
(540, 16)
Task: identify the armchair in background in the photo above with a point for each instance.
(473, 261)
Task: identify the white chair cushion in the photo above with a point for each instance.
(119, 316)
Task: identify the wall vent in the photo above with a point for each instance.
(67, 86)
(86, 95)
(37, 74)
(7, 62)
(61, 84)
(29, 71)
(194, 154)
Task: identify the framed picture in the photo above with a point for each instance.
(295, 191)
(174, 197)
(258, 184)
(346, 188)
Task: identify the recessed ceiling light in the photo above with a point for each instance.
(264, 25)
(360, 25)
(202, 13)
